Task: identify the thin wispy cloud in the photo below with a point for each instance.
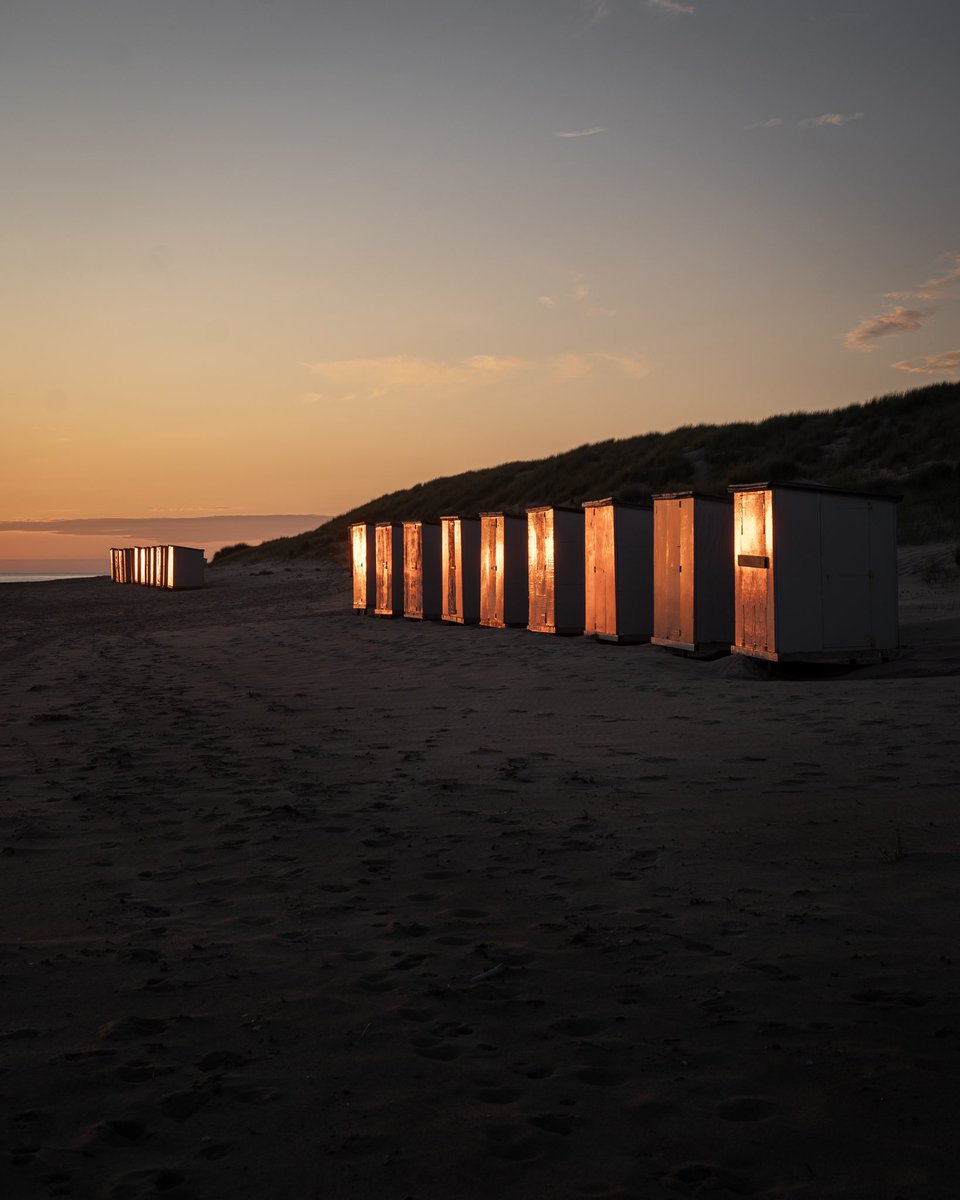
(772, 123)
(360, 380)
(581, 295)
(896, 320)
(671, 8)
(932, 364)
(597, 11)
(348, 379)
(578, 133)
(900, 318)
(936, 287)
(831, 119)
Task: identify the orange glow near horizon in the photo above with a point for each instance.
(320, 262)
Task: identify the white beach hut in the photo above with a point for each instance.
(389, 536)
(692, 572)
(815, 573)
(363, 551)
(503, 570)
(180, 567)
(421, 570)
(460, 569)
(618, 570)
(555, 554)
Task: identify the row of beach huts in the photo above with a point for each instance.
(158, 566)
(776, 571)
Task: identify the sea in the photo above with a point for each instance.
(12, 577)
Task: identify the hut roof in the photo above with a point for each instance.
(801, 485)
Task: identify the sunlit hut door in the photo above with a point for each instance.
(491, 576)
(673, 568)
(383, 567)
(593, 549)
(540, 563)
(359, 536)
(453, 575)
(413, 569)
(753, 536)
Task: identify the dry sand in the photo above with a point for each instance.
(299, 904)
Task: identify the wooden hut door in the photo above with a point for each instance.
(453, 529)
(540, 563)
(383, 568)
(592, 621)
(413, 569)
(673, 569)
(754, 594)
(491, 606)
(359, 540)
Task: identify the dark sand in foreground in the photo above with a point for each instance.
(298, 904)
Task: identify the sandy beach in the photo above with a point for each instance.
(303, 905)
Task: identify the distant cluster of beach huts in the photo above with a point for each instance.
(775, 571)
(158, 566)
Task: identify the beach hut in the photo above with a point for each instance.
(421, 570)
(503, 570)
(618, 570)
(389, 538)
(364, 561)
(141, 569)
(180, 567)
(126, 564)
(555, 552)
(815, 572)
(115, 567)
(692, 572)
(460, 569)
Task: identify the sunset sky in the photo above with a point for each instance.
(285, 256)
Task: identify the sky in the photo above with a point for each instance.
(285, 256)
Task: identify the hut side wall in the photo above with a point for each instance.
(633, 530)
(568, 579)
(713, 583)
(515, 601)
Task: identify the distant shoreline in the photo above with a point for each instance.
(45, 577)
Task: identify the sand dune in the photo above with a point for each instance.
(302, 904)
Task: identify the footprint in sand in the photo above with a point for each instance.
(129, 1028)
(428, 1047)
(579, 1026)
(603, 1076)
(503, 1094)
(147, 1184)
(746, 1108)
(512, 1142)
